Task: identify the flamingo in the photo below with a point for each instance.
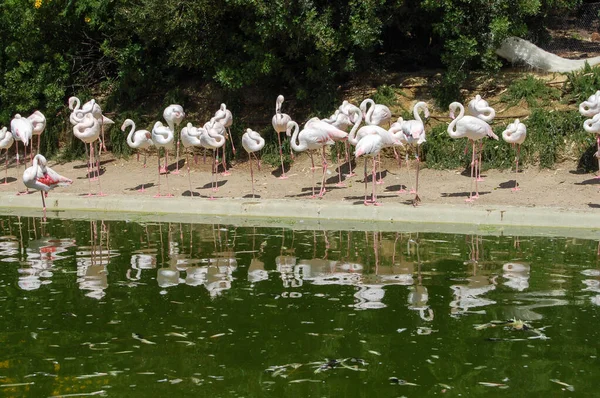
(42, 178)
(220, 129)
(342, 120)
(78, 111)
(280, 121)
(224, 116)
(210, 138)
(355, 115)
(377, 114)
(38, 121)
(252, 142)
(593, 126)
(22, 130)
(480, 108)
(6, 141)
(591, 106)
(140, 139)
(310, 139)
(414, 135)
(515, 134)
(190, 137)
(173, 115)
(88, 131)
(472, 128)
(163, 137)
(370, 145)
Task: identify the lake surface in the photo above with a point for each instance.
(126, 309)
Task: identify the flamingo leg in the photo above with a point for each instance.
(38, 145)
(43, 205)
(406, 160)
(366, 202)
(479, 163)
(31, 150)
(187, 162)
(98, 169)
(102, 144)
(6, 167)
(213, 173)
(417, 199)
(312, 161)
(224, 163)
(322, 191)
(90, 172)
(177, 155)
(379, 180)
(516, 188)
(282, 176)
(470, 198)
(231, 140)
(351, 173)
(169, 194)
(313, 174)
(257, 161)
(17, 150)
(374, 195)
(340, 183)
(252, 175)
(598, 146)
(159, 170)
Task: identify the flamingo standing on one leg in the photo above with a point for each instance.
(211, 139)
(515, 134)
(219, 128)
(309, 139)
(163, 137)
(78, 111)
(190, 137)
(280, 121)
(88, 131)
(593, 126)
(376, 114)
(472, 128)
(140, 139)
(414, 134)
(38, 121)
(252, 142)
(6, 141)
(42, 178)
(480, 108)
(224, 116)
(173, 115)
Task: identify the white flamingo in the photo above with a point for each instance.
(6, 141)
(280, 121)
(42, 178)
(591, 106)
(593, 126)
(173, 115)
(210, 138)
(38, 121)
(414, 135)
(252, 142)
(163, 137)
(345, 116)
(472, 128)
(190, 138)
(78, 112)
(22, 130)
(481, 109)
(515, 134)
(376, 114)
(369, 146)
(140, 139)
(219, 128)
(310, 139)
(224, 116)
(88, 131)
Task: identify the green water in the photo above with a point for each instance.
(126, 309)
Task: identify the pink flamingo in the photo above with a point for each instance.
(279, 122)
(140, 139)
(474, 129)
(252, 142)
(42, 178)
(6, 141)
(78, 111)
(190, 138)
(173, 115)
(211, 139)
(38, 121)
(163, 137)
(219, 128)
(593, 126)
(224, 116)
(342, 121)
(515, 134)
(88, 131)
(376, 114)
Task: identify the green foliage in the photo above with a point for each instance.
(385, 95)
(532, 90)
(581, 84)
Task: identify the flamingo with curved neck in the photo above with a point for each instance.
(173, 115)
(140, 139)
(279, 122)
(252, 142)
(42, 178)
(211, 138)
(414, 135)
(6, 141)
(163, 137)
(515, 134)
(88, 131)
(472, 128)
(376, 114)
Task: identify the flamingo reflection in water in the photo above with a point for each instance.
(92, 274)
(517, 275)
(479, 283)
(418, 295)
(592, 284)
(256, 269)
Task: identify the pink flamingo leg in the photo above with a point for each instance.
(177, 157)
(340, 183)
(323, 190)
(282, 176)
(406, 160)
(43, 205)
(169, 194)
(224, 163)
(187, 162)
(417, 199)
(379, 180)
(351, 173)
(598, 146)
(366, 202)
(231, 140)
(88, 156)
(312, 161)
(98, 170)
(252, 176)
(374, 195)
(159, 170)
(214, 172)
(479, 178)
(516, 188)
(470, 198)
(17, 151)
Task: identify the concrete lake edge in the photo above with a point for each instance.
(315, 214)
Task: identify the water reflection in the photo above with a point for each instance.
(93, 260)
